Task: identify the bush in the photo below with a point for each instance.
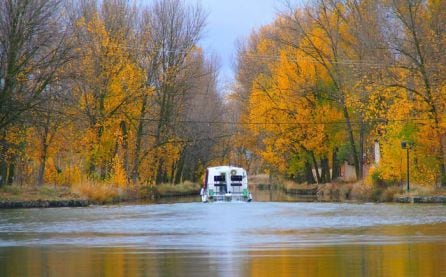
(15, 190)
(361, 192)
(98, 192)
(11, 189)
(335, 191)
(379, 194)
(377, 180)
(149, 192)
(49, 191)
(388, 194)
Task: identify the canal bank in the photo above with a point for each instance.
(421, 199)
(44, 204)
(61, 196)
(89, 194)
(349, 192)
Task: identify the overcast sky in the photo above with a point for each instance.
(230, 20)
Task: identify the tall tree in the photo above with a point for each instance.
(171, 31)
(418, 38)
(33, 46)
(106, 100)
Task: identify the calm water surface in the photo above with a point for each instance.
(225, 239)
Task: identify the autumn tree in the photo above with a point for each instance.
(105, 101)
(33, 46)
(253, 59)
(170, 31)
(201, 122)
(376, 63)
(418, 41)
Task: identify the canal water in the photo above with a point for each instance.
(225, 239)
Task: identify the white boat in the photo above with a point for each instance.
(225, 183)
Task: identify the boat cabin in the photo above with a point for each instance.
(225, 183)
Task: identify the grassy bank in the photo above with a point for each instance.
(103, 193)
(39, 197)
(184, 189)
(88, 193)
(106, 193)
(360, 192)
(35, 193)
(264, 182)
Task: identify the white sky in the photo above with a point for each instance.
(229, 21)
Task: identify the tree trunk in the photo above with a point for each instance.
(172, 173)
(101, 164)
(325, 170)
(10, 174)
(159, 178)
(352, 141)
(43, 158)
(45, 142)
(442, 162)
(138, 141)
(309, 177)
(3, 172)
(92, 160)
(125, 147)
(336, 168)
(316, 168)
(361, 151)
(180, 168)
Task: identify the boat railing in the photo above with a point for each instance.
(229, 196)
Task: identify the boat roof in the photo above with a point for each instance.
(224, 167)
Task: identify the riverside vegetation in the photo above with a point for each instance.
(111, 99)
(105, 97)
(349, 191)
(88, 193)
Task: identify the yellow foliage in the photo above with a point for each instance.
(118, 175)
(291, 117)
(109, 97)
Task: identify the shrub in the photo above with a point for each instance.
(49, 191)
(388, 194)
(150, 192)
(15, 190)
(98, 192)
(362, 192)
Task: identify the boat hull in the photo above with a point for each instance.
(228, 197)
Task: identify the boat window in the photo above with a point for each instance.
(236, 177)
(219, 178)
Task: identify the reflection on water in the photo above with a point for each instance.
(225, 239)
(412, 259)
(272, 195)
